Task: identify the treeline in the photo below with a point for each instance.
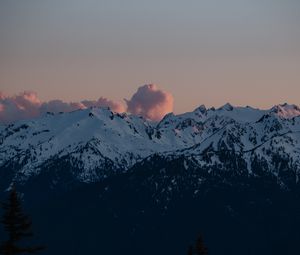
(18, 228)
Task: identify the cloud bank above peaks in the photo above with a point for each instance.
(27, 105)
(149, 102)
(22, 106)
(104, 102)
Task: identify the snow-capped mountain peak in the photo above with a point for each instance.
(286, 111)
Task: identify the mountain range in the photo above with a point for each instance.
(97, 142)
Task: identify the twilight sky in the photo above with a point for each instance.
(210, 52)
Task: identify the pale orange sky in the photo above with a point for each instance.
(203, 52)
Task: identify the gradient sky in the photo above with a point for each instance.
(210, 52)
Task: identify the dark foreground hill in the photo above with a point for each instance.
(159, 207)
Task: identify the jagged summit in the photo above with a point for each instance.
(226, 107)
(202, 109)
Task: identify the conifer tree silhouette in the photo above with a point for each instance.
(200, 248)
(190, 250)
(17, 225)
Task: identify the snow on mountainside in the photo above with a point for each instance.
(95, 139)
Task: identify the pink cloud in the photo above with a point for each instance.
(150, 102)
(2, 96)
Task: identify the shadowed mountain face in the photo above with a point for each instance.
(159, 207)
(99, 182)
